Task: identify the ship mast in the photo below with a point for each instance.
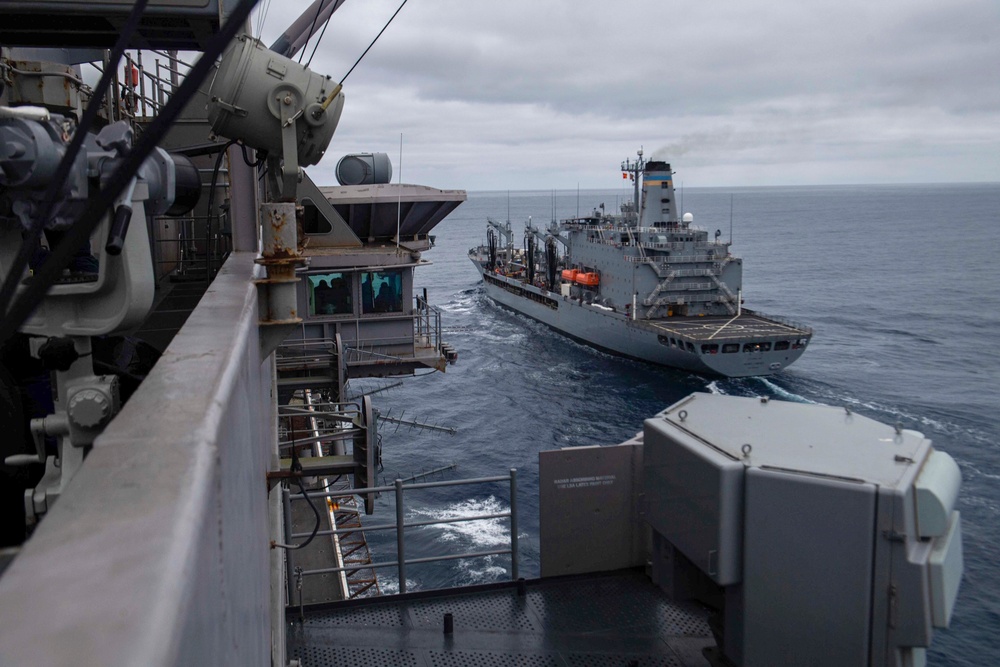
(635, 169)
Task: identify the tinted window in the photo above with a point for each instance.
(382, 292)
(781, 345)
(710, 349)
(330, 294)
(730, 347)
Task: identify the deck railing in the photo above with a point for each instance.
(400, 525)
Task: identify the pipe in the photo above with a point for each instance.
(400, 547)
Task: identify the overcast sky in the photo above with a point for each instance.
(552, 94)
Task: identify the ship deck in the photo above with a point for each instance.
(719, 329)
(617, 618)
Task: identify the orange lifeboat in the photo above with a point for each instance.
(588, 279)
(569, 274)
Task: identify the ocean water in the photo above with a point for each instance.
(900, 283)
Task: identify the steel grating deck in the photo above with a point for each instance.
(617, 619)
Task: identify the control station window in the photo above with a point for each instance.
(382, 292)
(330, 294)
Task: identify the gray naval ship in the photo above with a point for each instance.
(157, 501)
(641, 283)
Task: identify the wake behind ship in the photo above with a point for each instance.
(641, 283)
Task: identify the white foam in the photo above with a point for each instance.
(481, 570)
(389, 585)
(784, 393)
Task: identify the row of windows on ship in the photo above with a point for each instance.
(336, 293)
(729, 348)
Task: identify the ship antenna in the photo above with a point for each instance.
(640, 203)
(730, 218)
(399, 192)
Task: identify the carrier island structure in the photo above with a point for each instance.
(642, 283)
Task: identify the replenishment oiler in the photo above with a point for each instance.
(641, 283)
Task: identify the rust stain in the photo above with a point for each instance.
(302, 240)
(281, 252)
(278, 220)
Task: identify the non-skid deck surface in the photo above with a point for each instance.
(602, 620)
(725, 328)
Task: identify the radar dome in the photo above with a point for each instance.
(688, 217)
(364, 169)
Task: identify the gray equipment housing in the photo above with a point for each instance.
(364, 169)
(832, 539)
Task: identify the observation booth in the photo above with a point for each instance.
(362, 315)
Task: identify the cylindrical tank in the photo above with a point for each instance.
(254, 85)
(187, 188)
(364, 169)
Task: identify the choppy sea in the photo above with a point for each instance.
(901, 284)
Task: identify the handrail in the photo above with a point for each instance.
(781, 320)
(676, 259)
(400, 525)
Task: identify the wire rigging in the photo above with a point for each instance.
(372, 44)
(262, 17)
(322, 32)
(312, 29)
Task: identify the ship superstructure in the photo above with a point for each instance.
(642, 282)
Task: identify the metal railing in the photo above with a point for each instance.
(190, 251)
(426, 335)
(143, 98)
(139, 93)
(427, 323)
(780, 320)
(400, 525)
(676, 259)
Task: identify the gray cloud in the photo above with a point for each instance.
(549, 94)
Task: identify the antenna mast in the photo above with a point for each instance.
(730, 218)
(635, 169)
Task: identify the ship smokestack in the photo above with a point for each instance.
(659, 207)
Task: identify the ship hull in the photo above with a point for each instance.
(663, 342)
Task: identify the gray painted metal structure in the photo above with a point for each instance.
(614, 619)
(833, 538)
(818, 536)
(157, 553)
(592, 491)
